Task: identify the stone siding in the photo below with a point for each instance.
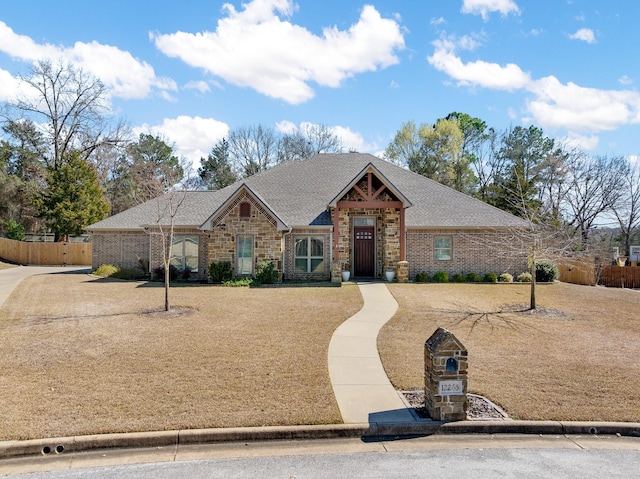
(267, 240)
(472, 251)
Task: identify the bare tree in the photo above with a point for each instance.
(310, 139)
(167, 209)
(253, 149)
(594, 188)
(627, 208)
(70, 107)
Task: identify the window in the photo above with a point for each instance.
(245, 210)
(184, 253)
(245, 255)
(309, 254)
(442, 248)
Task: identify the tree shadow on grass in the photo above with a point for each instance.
(508, 316)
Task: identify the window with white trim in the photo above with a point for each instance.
(245, 255)
(309, 254)
(442, 248)
(184, 253)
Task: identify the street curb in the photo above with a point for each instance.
(368, 432)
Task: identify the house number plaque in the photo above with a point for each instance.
(450, 388)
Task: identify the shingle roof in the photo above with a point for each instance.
(300, 191)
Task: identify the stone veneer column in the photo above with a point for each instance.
(336, 272)
(445, 377)
(403, 272)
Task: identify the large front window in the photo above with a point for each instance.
(309, 254)
(184, 253)
(442, 248)
(245, 255)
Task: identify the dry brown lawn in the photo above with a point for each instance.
(80, 355)
(6, 265)
(576, 358)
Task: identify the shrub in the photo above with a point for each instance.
(546, 271)
(185, 274)
(15, 230)
(422, 277)
(440, 277)
(106, 270)
(129, 274)
(158, 273)
(473, 278)
(220, 272)
(266, 272)
(524, 277)
(490, 278)
(459, 278)
(505, 278)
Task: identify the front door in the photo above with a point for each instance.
(364, 251)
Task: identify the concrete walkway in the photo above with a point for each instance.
(362, 389)
(11, 277)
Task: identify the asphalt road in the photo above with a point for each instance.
(506, 456)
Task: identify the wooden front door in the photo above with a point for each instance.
(364, 251)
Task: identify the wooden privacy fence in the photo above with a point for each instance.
(620, 276)
(577, 271)
(45, 254)
(583, 271)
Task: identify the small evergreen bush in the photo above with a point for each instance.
(524, 277)
(422, 277)
(15, 230)
(266, 272)
(238, 282)
(505, 278)
(546, 271)
(440, 277)
(129, 274)
(458, 278)
(490, 278)
(220, 272)
(473, 278)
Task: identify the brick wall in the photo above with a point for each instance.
(473, 251)
(123, 249)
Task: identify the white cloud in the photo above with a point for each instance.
(193, 136)
(286, 126)
(258, 48)
(567, 106)
(124, 75)
(201, 86)
(438, 21)
(479, 73)
(485, 7)
(585, 35)
(581, 142)
(8, 86)
(625, 80)
(576, 108)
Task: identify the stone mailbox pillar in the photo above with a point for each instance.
(445, 377)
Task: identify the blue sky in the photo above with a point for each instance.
(191, 71)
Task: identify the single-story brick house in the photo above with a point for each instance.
(315, 218)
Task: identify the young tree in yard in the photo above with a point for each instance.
(74, 198)
(167, 208)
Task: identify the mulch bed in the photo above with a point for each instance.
(478, 407)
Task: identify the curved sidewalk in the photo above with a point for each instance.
(360, 384)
